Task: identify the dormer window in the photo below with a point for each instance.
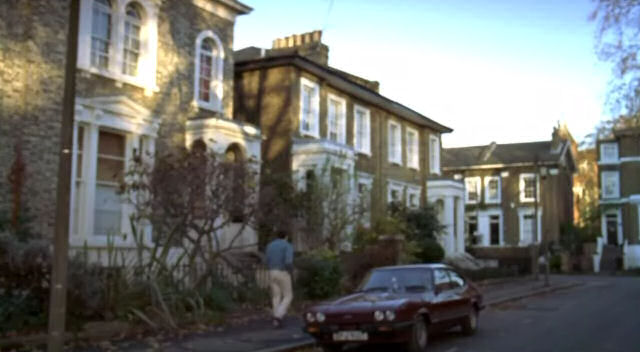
(131, 54)
(209, 71)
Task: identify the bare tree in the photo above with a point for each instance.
(190, 198)
(618, 42)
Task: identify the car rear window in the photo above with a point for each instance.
(397, 280)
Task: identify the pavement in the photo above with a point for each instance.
(260, 336)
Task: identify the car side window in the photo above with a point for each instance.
(441, 280)
(456, 279)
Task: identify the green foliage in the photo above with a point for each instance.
(429, 251)
(319, 274)
(421, 228)
(555, 263)
(572, 237)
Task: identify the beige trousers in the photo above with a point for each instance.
(281, 293)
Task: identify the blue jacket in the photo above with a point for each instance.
(279, 255)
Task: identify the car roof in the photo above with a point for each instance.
(416, 266)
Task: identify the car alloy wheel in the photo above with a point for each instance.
(419, 336)
(470, 323)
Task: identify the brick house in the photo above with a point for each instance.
(619, 179)
(503, 185)
(151, 75)
(312, 114)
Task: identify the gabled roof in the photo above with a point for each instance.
(495, 155)
(247, 60)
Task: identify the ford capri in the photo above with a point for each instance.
(397, 304)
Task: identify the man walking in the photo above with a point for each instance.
(279, 257)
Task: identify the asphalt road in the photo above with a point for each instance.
(601, 315)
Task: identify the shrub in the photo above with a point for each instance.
(429, 251)
(555, 263)
(319, 275)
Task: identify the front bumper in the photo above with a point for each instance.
(383, 332)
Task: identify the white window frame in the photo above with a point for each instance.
(478, 181)
(487, 199)
(119, 115)
(217, 81)
(394, 186)
(434, 154)
(413, 151)
(603, 155)
(529, 211)
(415, 191)
(521, 187)
(603, 224)
(341, 117)
(365, 145)
(603, 177)
(314, 130)
(395, 152)
(147, 61)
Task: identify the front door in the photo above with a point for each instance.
(612, 229)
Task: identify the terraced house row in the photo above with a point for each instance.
(153, 75)
(619, 177)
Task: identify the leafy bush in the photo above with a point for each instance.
(555, 263)
(429, 251)
(319, 275)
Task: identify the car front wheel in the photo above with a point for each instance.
(419, 336)
(470, 322)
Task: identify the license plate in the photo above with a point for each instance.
(350, 336)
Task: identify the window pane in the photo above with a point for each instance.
(111, 144)
(100, 34)
(107, 212)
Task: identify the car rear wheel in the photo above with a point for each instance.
(331, 348)
(470, 322)
(419, 336)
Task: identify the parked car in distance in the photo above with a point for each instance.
(397, 304)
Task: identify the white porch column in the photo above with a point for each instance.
(448, 222)
(460, 225)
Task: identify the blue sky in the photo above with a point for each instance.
(499, 70)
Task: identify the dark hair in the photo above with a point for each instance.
(281, 233)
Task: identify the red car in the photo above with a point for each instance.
(397, 304)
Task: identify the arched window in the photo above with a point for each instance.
(131, 54)
(208, 73)
(101, 33)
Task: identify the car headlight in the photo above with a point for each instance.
(378, 315)
(310, 317)
(390, 315)
(320, 317)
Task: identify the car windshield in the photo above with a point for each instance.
(414, 280)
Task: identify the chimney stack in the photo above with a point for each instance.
(307, 44)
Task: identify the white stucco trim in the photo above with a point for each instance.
(393, 185)
(136, 124)
(217, 82)
(147, 61)
(413, 191)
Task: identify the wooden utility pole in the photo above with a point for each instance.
(58, 293)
